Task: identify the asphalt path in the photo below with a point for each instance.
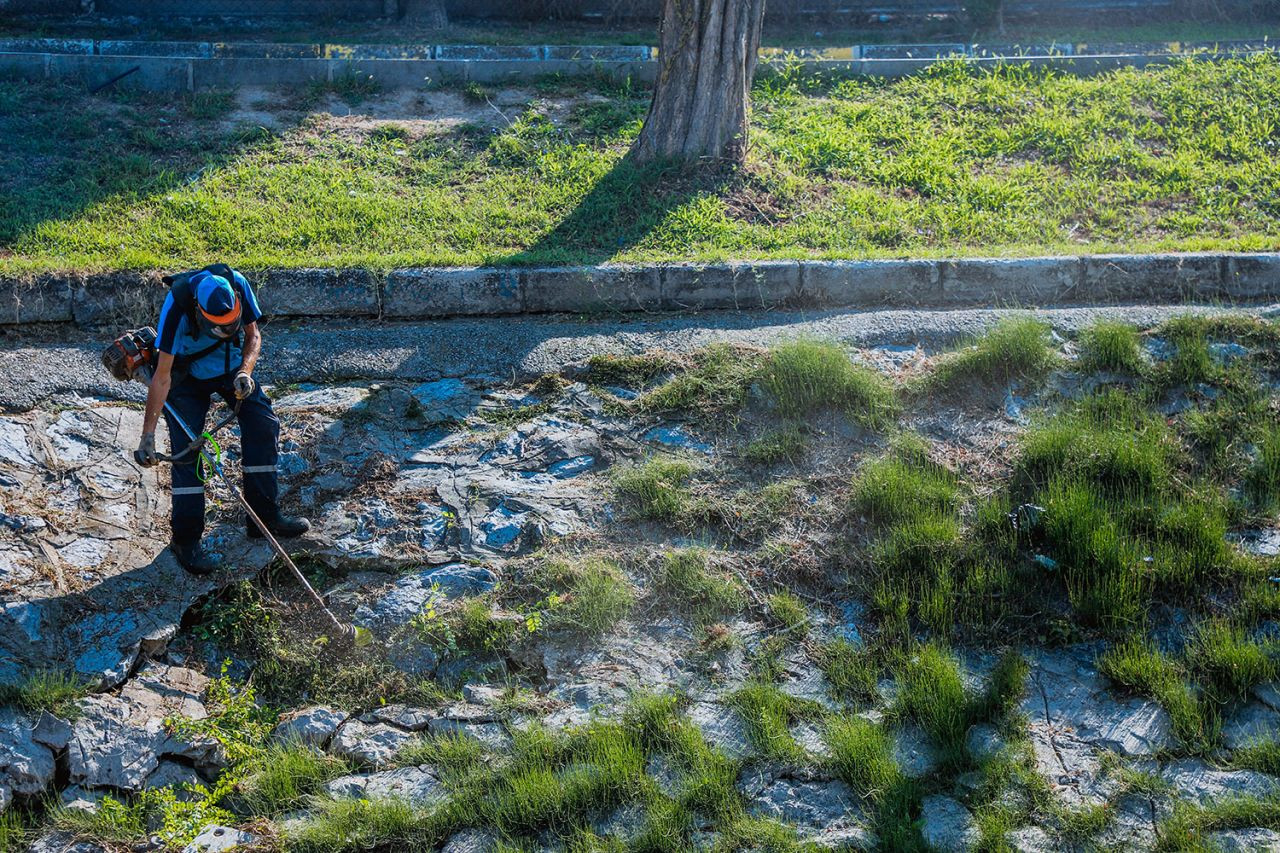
(41, 365)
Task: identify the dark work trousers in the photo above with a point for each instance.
(259, 440)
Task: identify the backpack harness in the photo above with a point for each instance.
(182, 289)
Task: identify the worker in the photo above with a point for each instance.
(208, 343)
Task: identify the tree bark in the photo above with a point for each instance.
(428, 13)
(708, 52)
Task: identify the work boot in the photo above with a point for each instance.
(284, 527)
(194, 558)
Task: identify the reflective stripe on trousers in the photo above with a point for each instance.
(259, 439)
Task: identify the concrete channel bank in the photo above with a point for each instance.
(192, 66)
(96, 299)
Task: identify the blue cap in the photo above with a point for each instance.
(218, 300)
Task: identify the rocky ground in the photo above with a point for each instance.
(629, 581)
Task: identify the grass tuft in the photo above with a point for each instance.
(1016, 348)
(658, 488)
(283, 776)
(1227, 662)
(46, 690)
(931, 692)
(587, 595)
(1139, 666)
(698, 589)
(851, 671)
(805, 376)
(1111, 345)
(788, 611)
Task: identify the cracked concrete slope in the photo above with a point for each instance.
(44, 363)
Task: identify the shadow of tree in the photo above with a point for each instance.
(123, 144)
(626, 206)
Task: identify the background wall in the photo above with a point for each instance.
(835, 12)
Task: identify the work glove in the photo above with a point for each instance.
(145, 455)
(243, 385)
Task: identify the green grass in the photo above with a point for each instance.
(46, 690)
(806, 376)
(931, 692)
(862, 757)
(586, 595)
(362, 824)
(696, 588)
(1228, 662)
(1262, 482)
(658, 488)
(768, 714)
(952, 161)
(785, 444)
(715, 384)
(283, 776)
(1111, 345)
(15, 835)
(788, 611)
(1263, 757)
(851, 671)
(901, 486)
(1186, 828)
(1138, 666)
(1015, 348)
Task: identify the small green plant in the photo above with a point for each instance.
(805, 376)
(657, 488)
(468, 625)
(353, 85)
(235, 719)
(689, 581)
(390, 132)
(1016, 348)
(156, 811)
(1111, 345)
(788, 611)
(475, 92)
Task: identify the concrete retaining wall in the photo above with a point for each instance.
(118, 298)
(198, 65)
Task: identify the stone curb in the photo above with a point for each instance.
(121, 298)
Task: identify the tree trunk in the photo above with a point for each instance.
(708, 52)
(428, 13)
